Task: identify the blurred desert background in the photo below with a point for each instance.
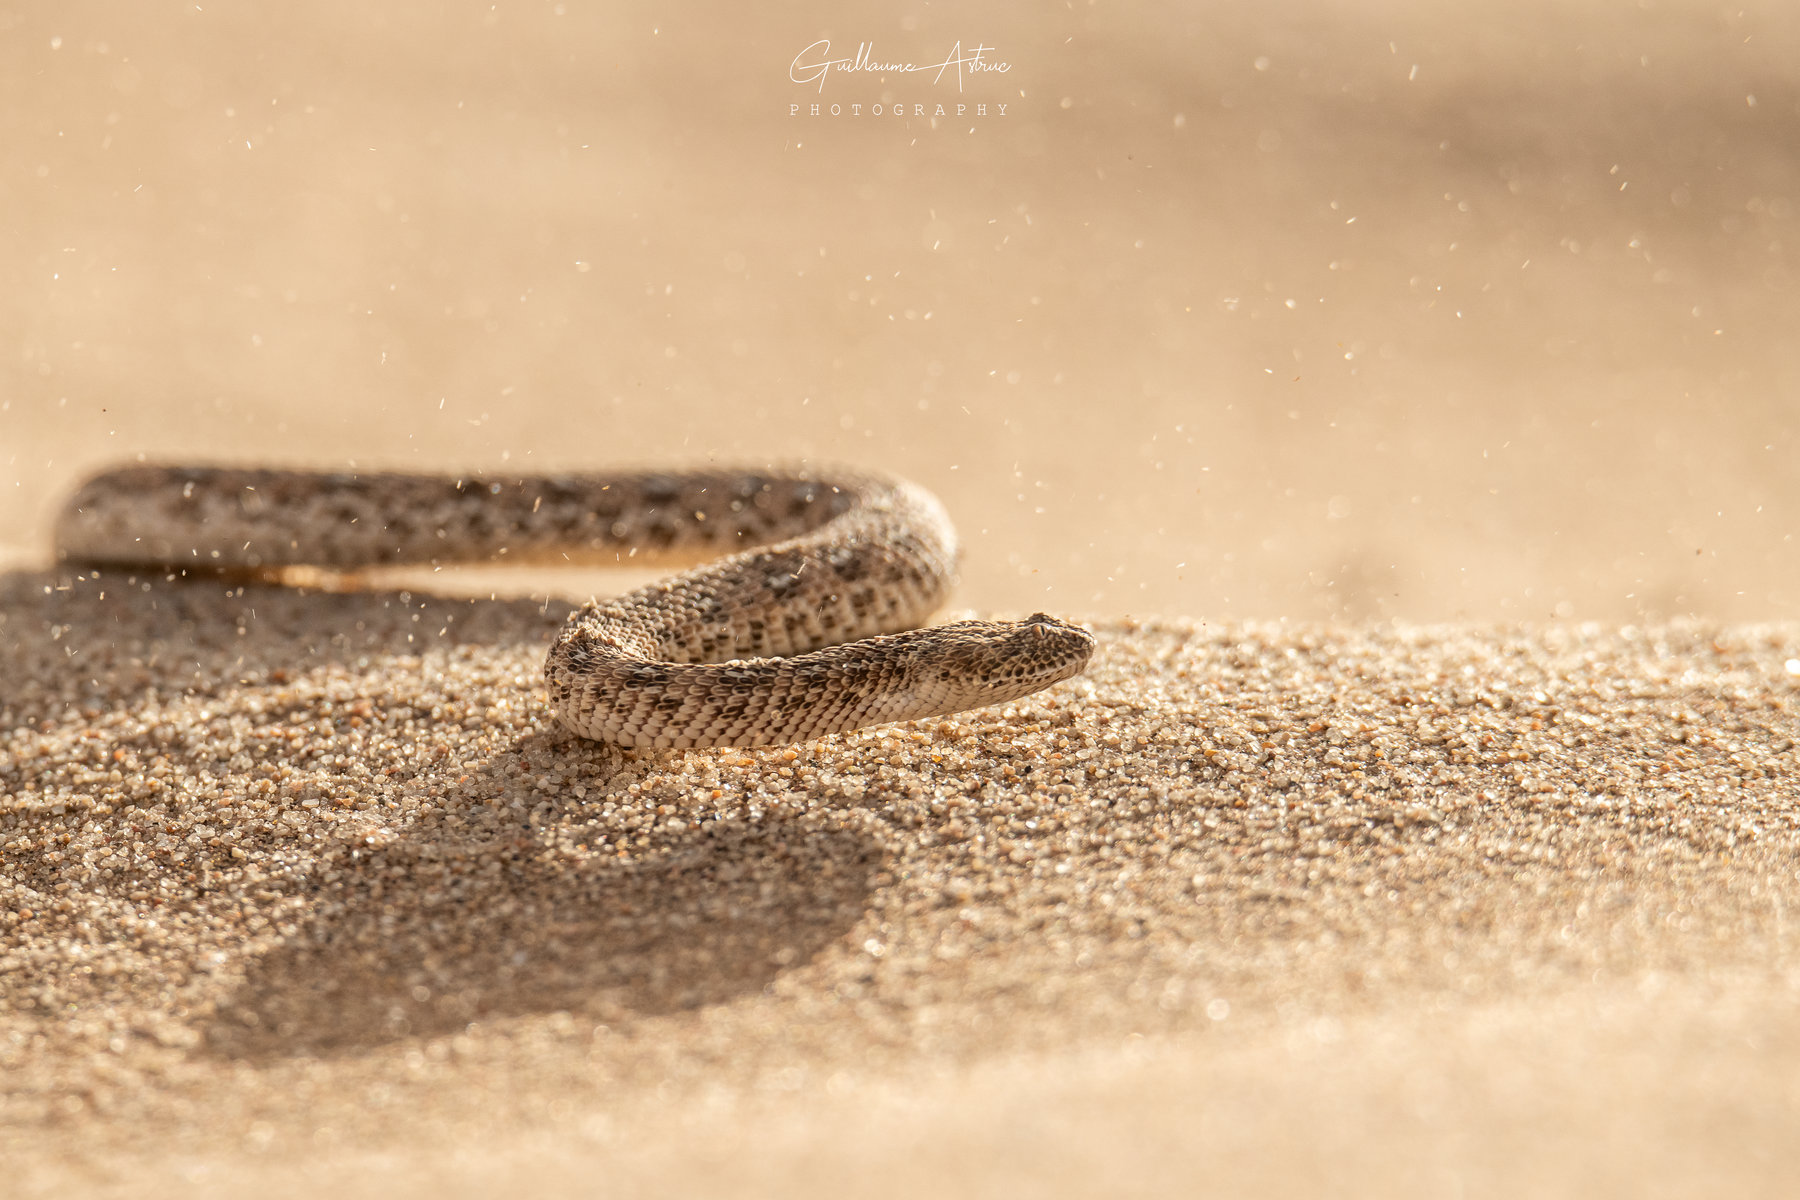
(1479, 311)
(1288, 311)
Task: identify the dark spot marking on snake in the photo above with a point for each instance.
(782, 584)
(747, 486)
(801, 504)
(849, 567)
(661, 489)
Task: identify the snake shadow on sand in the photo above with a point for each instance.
(470, 937)
(440, 924)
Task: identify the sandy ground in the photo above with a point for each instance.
(304, 880)
(1429, 370)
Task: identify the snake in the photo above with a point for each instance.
(802, 611)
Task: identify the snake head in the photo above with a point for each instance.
(1058, 649)
(991, 662)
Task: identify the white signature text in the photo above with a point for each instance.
(814, 63)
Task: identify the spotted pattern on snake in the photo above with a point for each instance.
(802, 621)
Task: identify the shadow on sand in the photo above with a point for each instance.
(440, 925)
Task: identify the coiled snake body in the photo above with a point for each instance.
(804, 625)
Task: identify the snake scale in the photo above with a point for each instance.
(803, 619)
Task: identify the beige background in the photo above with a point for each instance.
(1468, 312)
(1264, 310)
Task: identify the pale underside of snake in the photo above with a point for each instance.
(802, 621)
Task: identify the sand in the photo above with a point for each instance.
(305, 880)
(1403, 393)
